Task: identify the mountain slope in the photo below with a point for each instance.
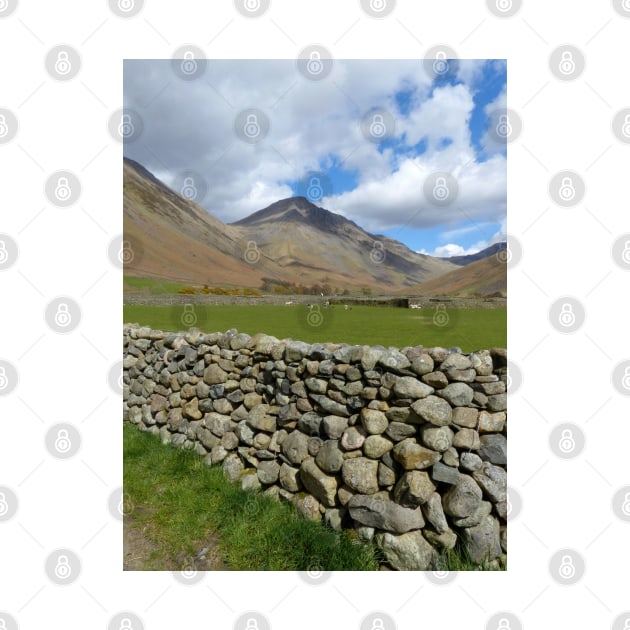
(484, 253)
(482, 277)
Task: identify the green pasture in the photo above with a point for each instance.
(469, 329)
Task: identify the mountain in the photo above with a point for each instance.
(484, 277)
(484, 253)
(290, 241)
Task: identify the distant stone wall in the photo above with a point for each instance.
(407, 447)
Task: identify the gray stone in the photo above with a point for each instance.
(353, 438)
(214, 375)
(233, 467)
(330, 457)
(370, 357)
(444, 540)
(436, 438)
(258, 419)
(251, 400)
(381, 513)
(353, 373)
(223, 406)
(319, 484)
(466, 438)
(330, 406)
(481, 361)
(386, 476)
(434, 410)
(314, 444)
(261, 440)
(450, 457)
(457, 361)
(457, 394)
(398, 431)
(493, 481)
(413, 488)
(497, 402)
(463, 499)
(412, 456)
(394, 360)
(465, 417)
(191, 409)
(333, 517)
(407, 552)
(316, 385)
(464, 376)
(229, 441)
(445, 474)
(361, 475)
(364, 533)
(376, 446)
(410, 387)
(207, 438)
(334, 426)
(470, 461)
(308, 507)
(493, 448)
(433, 512)
(435, 379)
(483, 541)
(310, 423)
(268, 472)
(375, 422)
(250, 481)
(485, 507)
(422, 365)
(296, 350)
(218, 454)
(289, 478)
(244, 433)
(295, 447)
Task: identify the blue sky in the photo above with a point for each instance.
(318, 129)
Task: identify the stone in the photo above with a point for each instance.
(410, 387)
(434, 514)
(457, 361)
(407, 552)
(375, 446)
(218, 454)
(450, 457)
(360, 474)
(382, 513)
(465, 417)
(483, 540)
(229, 441)
(375, 422)
(457, 394)
(251, 400)
(463, 499)
(158, 403)
(485, 507)
(233, 467)
(436, 380)
(308, 507)
(353, 373)
(497, 402)
(370, 357)
(463, 376)
(214, 375)
(261, 441)
(268, 472)
(444, 540)
(493, 481)
(250, 481)
(289, 478)
(207, 438)
(470, 461)
(412, 456)
(386, 476)
(422, 365)
(309, 423)
(466, 438)
(413, 488)
(295, 350)
(330, 458)
(445, 474)
(295, 447)
(314, 444)
(398, 431)
(434, 410)
(493, 448)
(436, 438)
(244, 433)
(319, 484)
(217, 423)
(495, 387)
(481, 361)
(334, 426)
(223, 406)
(317, 385)
(258, 419)
(333, 517)
(330, 406)
(364, 533)
(394, 360)
(353, 438)
(191, 409)
(503, 538)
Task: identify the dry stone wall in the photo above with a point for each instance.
(407, 447)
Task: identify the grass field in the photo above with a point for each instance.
(470, 329)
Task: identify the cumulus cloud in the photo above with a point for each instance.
(189, 125)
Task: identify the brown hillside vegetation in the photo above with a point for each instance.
(483, 277)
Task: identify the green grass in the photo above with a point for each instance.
(470, 329)
(151, 285)
(181, 503)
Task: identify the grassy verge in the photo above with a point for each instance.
(181, 503)
(470, 329)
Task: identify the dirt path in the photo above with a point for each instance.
(141, 553)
